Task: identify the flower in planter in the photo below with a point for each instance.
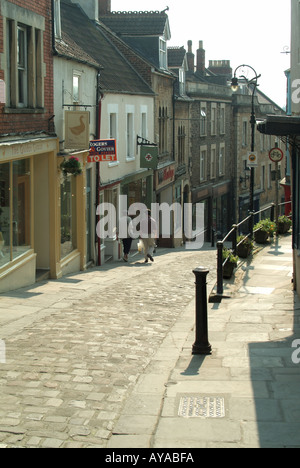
(244, 246)
(266, 225)
(71, 166)
(227, 254)
(231, 263)
(284, 224)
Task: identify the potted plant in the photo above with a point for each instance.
(231, 263)
(263, 229)
(71, 166)
(244, 246)
(284, 224)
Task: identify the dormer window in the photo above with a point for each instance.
(163, 57)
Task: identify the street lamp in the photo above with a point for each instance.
(235, 87)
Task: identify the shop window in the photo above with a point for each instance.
(21, 207)
(68, 215)
(5, 231)
(15, 189)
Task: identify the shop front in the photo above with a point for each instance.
(217, 209)
(164, 185)
(27, 171)
(75, 223)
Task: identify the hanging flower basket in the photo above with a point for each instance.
(71, 166)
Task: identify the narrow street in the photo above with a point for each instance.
(74, 348)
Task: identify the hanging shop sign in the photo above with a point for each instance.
(103, 151)
(149, 157)
(77, 129)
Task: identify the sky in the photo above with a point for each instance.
(253, 33)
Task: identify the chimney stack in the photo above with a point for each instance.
(104, 7)
(221, 67)
(190, 57)
(201, 59)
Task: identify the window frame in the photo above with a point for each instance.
(34, 25)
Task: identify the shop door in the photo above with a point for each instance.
(88, 216)
(23, 221)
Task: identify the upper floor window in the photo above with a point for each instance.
(213, 119)
(76, 87)
(163, 57)
(203, 119)
(24, 60)
(163, 129)
(181, 82)
(222, 119)
(130, 151)
(22, 64)
(57, 20)
(181, 144)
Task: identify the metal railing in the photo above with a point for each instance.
(233, 233)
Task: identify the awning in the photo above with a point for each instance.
(280, 125)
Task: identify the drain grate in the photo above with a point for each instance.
(201, 407)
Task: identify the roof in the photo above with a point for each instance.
(117, 74)
(140, 30)
(66, 47)
(176, 57)
(137, 23)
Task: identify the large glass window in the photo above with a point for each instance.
(5, 246)
(15, 210)
(68, 215)
(21, 207)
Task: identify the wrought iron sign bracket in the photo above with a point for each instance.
(140, 141)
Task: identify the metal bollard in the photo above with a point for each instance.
(201, 345)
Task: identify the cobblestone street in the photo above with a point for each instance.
(76, 347)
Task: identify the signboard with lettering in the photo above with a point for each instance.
(103, 150)
(164, 177)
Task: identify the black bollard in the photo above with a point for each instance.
(201, 345)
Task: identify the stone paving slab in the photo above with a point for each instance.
(77, 347)
(107, 366)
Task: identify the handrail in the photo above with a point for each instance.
(234, 231)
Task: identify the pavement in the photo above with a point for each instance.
(104, 358)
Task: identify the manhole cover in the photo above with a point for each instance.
(201, 407)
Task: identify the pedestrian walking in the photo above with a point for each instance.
(127, 241)
(149, 236)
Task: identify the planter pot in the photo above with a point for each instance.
(243, 250)
(261, 237)
(283, 228)
(228, 270)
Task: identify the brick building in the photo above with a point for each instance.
(28, 146)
